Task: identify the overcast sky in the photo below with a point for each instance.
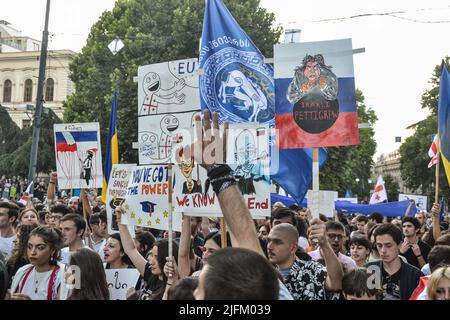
(401, 49)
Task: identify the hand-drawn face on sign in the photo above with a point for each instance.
(313, 92)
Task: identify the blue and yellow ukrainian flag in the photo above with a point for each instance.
(112, 148)
(444, 119)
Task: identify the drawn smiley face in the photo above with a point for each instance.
(169, 124)
(152, 82)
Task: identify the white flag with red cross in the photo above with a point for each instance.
(379, 193)
(433, 152)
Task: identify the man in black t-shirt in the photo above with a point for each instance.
(396, 278)
(414, 250)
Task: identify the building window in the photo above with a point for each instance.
(7, 89)
(49, 89)
(26, 123)
(28, 93)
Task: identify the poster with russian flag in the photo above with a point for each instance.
(315, 102)
(78, 155)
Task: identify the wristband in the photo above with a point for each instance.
(51, 182)
(221, 177)
(419, 256)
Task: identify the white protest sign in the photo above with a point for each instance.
(327, 199)
(168, 98)
(117, 190)
(146, 202)
(247, 155)
(421, 201)
(78, 155)
(119, 281)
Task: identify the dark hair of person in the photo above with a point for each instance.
(216, 236)
(360, 241)
(412, 220)
(125, 259)
(283, 212)
(439, 256)
(240, 274)
(41, 216)
(323, 217)
(39, 207)
(53, 238)
(362, 218)
(378, 217)
(93, 285)
(295, 207)
(20, 256)
(333, 225)
(3, 280)
(13, 210)
(302, 228)
(146, 239)
(389, 229)
(61, 208)
(355, 282)
(443, 240)
(428, 237)
(78, 220)
(183, 290)
(163, 253)
(103, 217)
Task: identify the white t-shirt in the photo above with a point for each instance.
(65, 254)
(303, 242)
(36, 286)
(347, 262)
(98, 247)
(6, 245)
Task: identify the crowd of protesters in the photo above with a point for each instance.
(290, 255)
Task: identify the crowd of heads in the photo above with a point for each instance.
(58, 235)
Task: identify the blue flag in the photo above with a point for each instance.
(444, 119)
(239, 86)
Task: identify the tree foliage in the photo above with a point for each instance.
(346, 164)
(414, 151)
(15, 145)
(153, 31)
(392, 187)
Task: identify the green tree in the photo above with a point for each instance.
(346, 164)
(392, 187)
(15, 160)
(414, 151)
(153, 31)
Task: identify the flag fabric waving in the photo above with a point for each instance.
(379, 193)
(444, 119)
(112, 147)
(432, 152)
(239, 86)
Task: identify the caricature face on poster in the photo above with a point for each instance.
(315, 94)
(78, 155)
(168, 98)
(146, 201)
(247, 155)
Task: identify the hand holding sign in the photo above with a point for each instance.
(171, 270)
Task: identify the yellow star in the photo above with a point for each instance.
(149, 223)
(115, 198)
(127, 207)
(166, 214)
(132, 215)
(158, 221)
(139, 220)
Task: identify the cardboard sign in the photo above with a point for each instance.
(168, 99)
(247, 155)
(147, 199)
(119, 281)
(117, 190)
(421, 201)
(326, 201)
(78, 155)
(315, 94)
